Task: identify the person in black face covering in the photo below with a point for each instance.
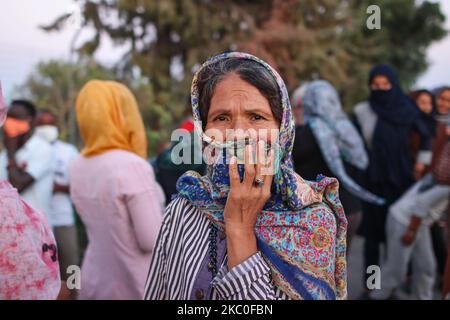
(386, 121)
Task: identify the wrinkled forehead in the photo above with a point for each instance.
(285, 104)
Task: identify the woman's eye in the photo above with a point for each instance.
(257, 117)
(221, 118)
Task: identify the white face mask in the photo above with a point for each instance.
(47, 132)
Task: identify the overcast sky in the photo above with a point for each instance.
(23, 44)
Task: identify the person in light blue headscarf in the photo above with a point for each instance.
(338, 139)
(328, 143)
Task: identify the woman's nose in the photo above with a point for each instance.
(242, 131)
(237, 134)
(238, 129)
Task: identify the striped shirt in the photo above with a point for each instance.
(182, 245)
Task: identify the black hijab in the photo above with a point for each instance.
(429, 119)
(390, 161)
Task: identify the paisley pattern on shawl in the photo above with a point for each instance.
(301, 230)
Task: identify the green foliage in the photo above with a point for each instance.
(53, 85)
(408, 29)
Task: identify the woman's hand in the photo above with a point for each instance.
(408, 237)
(245, 201)
(11, 146)
(410, 234)
(60, 188)
(419, 169)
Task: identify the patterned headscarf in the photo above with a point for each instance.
(301, 230)
(336, 136)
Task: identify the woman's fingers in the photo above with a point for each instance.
(249, 166)
(260, 160)
(267, 184)
(268, 171)
(235, 180)
(268, 168)
(259, 169)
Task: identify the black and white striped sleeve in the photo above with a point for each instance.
(250, 280)
(157, 282)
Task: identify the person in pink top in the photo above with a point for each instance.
(28, 260)
(115, 193)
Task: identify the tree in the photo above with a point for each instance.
(408, 29)
(303, 39)
(54, 85)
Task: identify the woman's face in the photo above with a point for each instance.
(239, 110)
(425, 103)
(443, 102)
(380, 83)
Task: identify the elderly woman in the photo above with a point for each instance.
(115, 193)
(251, 228)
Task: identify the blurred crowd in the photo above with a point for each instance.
(390, 156)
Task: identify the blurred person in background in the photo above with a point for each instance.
(438, 229)
(61, 214)
(409, 240)
(425, 103)
(329, 144)
(297, 99)
(385, 122)
(435, 121)
(28, 159)
(168, 165)
(28, 258)
(409, 219)
(115, 193)
(442, 175)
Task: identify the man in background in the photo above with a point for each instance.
(61, 214)
(27, 161)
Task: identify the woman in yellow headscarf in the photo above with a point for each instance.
(108, 117)
(114, 190)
